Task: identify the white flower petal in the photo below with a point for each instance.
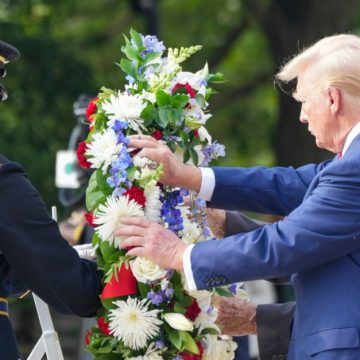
(109, 214)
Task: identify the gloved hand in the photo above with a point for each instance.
(236, 317)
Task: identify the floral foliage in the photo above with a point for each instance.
(162, 320)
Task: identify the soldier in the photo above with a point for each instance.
(32, 249)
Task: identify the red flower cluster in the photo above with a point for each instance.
(190, 356)
(185, 86)
(87, 337)
(80, 152)
(157, 134)
(137, 194)
(196, 133)
(103, 326)
(193, 311)
(89, 217)
(91, 109)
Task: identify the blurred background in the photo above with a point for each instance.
(70, 48)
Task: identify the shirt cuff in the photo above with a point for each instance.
(207, 184)
(189, 277)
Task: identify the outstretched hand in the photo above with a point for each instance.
(176, 173)
(151, 240)
(236, 317)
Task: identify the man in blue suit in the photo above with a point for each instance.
(318, 241)
(32, 251)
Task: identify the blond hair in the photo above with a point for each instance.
(333, 61)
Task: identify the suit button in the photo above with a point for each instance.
(281, 357)
(274, 357)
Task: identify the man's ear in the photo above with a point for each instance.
(334, 100)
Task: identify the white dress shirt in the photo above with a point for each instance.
(207, 189)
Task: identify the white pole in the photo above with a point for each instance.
(49, 343)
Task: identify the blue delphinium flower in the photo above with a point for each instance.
(170, 213)
(156, 298)
(152, 44)
(232, 288)
(211, 152)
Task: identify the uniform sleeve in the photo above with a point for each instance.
(31, 243)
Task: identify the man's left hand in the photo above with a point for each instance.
(152, 241)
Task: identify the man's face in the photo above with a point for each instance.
(315, 112)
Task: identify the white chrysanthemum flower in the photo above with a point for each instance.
(191, 233)
(145, 270)
(208, 314)
(153, 204)
(216, 348)
(103, 150)
(151, 354)
(124, 106)
(109, 214)
(132, 323)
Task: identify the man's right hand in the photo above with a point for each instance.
(176, 173)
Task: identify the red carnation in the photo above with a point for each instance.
(87, 337)
(185, 86)
(89, 217)
(80, 152)
(196, 133)
(137, 194)
(193, 311)
(191, 356)
(157, 134)
(91, 109)
(103, 326)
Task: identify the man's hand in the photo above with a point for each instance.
(217, 221)
(152, 241)
(176, 173)
(236, 317)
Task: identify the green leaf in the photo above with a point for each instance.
(179, 308)
(151, 57)
(217, 78)
(137, 38)
(108, 304)
(128, 68)
(169, 115)
(107, 250)
(186, 156)
(210, 331)
(187, 301)
(149, 112)
(102, 184)
(194, 156)
(179, 293)
(179, 101)
(184, 136)
(188, 342)
(174, 337)
(162, 98)
(223, 292)
(131, 53)
(93, 195)
(143, 289)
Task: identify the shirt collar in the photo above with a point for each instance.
(354, 132)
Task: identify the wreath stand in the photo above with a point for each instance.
(49, 343)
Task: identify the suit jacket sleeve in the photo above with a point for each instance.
(323, 228)
(273, 329)
(31, 243)
(275, 191)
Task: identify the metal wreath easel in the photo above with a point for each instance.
(48, 344)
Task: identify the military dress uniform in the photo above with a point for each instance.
(32, 250)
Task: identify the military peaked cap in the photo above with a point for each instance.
(7, 53)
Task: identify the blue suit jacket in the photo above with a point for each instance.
(318, 243)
